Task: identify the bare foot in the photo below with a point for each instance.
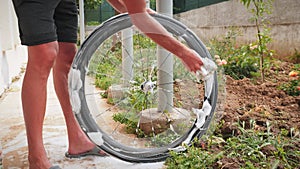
(39, 161)
(82, 145)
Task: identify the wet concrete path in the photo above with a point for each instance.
(14, 144)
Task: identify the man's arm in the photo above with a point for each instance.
(118, 5)
(144, 22)
(153, 29)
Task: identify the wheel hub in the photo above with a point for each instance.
(148, 86)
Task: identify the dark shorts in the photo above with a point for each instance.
(43, 21)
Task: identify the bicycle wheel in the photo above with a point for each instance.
(139, 107)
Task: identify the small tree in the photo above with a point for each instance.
(260, 9)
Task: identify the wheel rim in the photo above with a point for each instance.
(137, 99)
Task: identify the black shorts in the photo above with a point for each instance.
(43, 21)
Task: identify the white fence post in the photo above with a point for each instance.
(165, 74)
(127, 55)
(81, 21)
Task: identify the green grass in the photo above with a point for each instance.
(250, 149)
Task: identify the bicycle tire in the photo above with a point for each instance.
(87, 118)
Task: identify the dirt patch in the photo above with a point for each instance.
(247, 99)
(264, 103)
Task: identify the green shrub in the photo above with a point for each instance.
(242, 64)
(292, 87)
(242, 61)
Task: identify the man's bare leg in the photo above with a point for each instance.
(78, 141)
(41, 59)
(34, 93)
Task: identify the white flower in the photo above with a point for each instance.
(221, 62)
(253, 47)
(217, 57)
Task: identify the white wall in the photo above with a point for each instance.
(214, 20)
(13, 56)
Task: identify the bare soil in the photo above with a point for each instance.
(251, 99)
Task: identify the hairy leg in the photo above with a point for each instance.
(78, 141)
(34, 93)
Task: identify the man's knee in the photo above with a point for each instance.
(43, 56)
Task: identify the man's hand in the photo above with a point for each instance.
(192, 61)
